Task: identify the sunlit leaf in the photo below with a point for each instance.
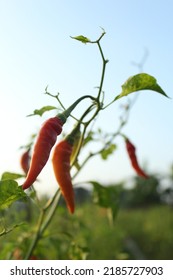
(9, 193)
(11, 176)
(82, 39)
(138, 82)
(42, 110)
(108, 151)
(107, 197)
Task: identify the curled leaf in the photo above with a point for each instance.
(82, 39)
(42, 110)
(138, 82)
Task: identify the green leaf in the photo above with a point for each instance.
(78, 252)
(42, 110)
(11, 176)
(107, 152)
(6, 231)
(9, 193)
(138, 82)
(107, 197)
(82, 39)
(88, 138)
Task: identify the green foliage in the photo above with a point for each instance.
(88, 235)
(108, 151)
(11, 176)
(145, 227)
(144, 193)
(9, 193)
(82, 39)
(42, 110)
(107, 197)
(138, 82)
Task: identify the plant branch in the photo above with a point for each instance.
(36, 238)
(43, 222)
(51, 212)
(103, 70)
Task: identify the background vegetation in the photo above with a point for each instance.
(140, 229)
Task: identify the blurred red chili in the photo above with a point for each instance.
(25, 161)
(132, 155)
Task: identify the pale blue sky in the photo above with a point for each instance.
(36, 50)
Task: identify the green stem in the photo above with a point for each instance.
(43, 222)
(118, 132)
(63, 116)
(51, 212)
(82, 165)
(36, 238)
(55, 96)
(82, 136)
(103, 70)
(110, 103)
(101, 36)
(79, 146)
(98, 97)
(61, 104)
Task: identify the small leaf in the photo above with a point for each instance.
(107, 152)
(42, 110)
(82, 39)
(88, 138)
(9, 193)
(107, 197)
(138, 82)
(11, 176)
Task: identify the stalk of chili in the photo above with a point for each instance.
(45, 141)
(61, 166)
(132, 155)
(25, 161)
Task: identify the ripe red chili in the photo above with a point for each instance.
(132, 155)
(25, 161)
(44, 143)
(61, 166)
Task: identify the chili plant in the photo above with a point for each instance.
(67, 150)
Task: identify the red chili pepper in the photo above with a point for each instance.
(61, 166)
(25, 161)
(132, 155)
(44, 143)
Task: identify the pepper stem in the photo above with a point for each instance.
(70, 138)
(63, 116)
